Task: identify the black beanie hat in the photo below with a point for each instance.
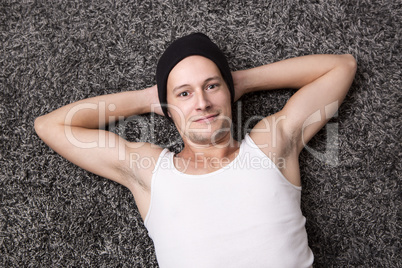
(193, 44)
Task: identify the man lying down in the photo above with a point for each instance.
(219, 202)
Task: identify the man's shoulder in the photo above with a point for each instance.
(270, 135)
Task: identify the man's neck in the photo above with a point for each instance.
(202, 159)
(221, 149)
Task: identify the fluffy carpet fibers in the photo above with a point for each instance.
(54, 214)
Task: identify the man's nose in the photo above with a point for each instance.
(203, 102)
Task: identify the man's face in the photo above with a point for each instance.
(199, 101)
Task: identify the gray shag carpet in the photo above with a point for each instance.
(54, 214)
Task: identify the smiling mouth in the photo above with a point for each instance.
(206, 119)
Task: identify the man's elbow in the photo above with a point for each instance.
(40, 126)
(350, 62)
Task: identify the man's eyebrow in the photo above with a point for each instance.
(212, 78)
(179, 87)
(205, 81)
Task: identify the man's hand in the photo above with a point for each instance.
(155, 106)
(239, 83)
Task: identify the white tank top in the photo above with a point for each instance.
(243, 215)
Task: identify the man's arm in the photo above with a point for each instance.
(323, 82)
(73, 132)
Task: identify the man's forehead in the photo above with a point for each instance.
(193, 69)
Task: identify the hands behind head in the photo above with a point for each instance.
(154, 101)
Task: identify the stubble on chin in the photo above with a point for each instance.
(206, 138)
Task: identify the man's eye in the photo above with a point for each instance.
(212, 86)
(183, 94)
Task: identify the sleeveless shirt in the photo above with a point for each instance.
(246, 214)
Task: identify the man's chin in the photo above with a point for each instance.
(203, 139)
(208, 134)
